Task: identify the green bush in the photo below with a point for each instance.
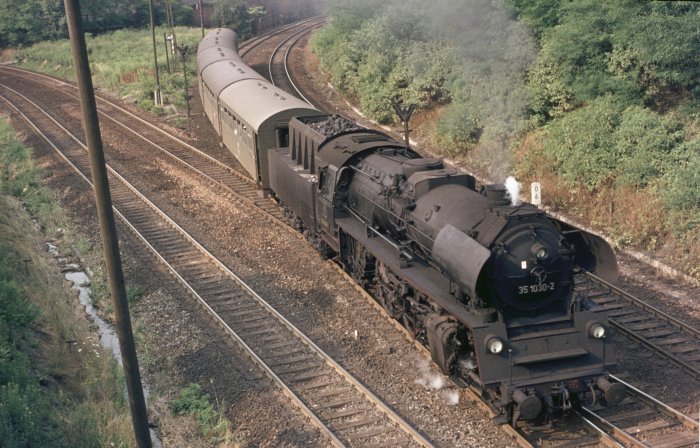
(23, 409)
(644, 144)
(20, 417)
(582, 143)
(644, 53)
(213, 423)
(604, 142)
(683, 181)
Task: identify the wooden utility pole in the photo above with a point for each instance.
(158, 99)
(137, 402)
(201, 18)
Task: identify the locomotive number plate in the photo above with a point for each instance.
(531, 289)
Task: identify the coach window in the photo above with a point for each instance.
(282, 137)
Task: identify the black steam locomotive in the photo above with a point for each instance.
(486, 285)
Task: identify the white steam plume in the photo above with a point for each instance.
(436, 381)
(513, 189)
(428, 379)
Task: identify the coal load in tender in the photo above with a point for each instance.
(334, 124)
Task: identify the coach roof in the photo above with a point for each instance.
(220, 75)
(256, 102)
(220, 37)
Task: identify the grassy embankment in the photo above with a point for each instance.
(122, 62)
(58, 386)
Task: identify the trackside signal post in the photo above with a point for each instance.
(108, 230)
(405, 114)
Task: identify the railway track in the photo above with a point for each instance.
(668, 337)
(340, 406)
(642, 421)
(246, 47)
(278, 64)
(216, 171)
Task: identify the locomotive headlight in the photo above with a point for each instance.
(596, 330)
(494, 345)
(539, 251)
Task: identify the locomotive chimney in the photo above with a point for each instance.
(495, 195)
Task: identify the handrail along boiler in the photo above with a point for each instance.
(486, 285)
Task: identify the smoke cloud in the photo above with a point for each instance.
(513, 190)
(436, 382)
(497, 50)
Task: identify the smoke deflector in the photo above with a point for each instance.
(460, 256)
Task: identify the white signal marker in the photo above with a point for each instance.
(536, 194)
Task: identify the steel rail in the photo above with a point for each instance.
(270, 63)
(286, 67)
(219, 183)
(268, 372)
(606, 439)
(690, 331)
(196, 152)
(257, 40)
(615, 432)
(664, 408)
(415, 435)
(610, 428)
(673, 359)
(135, 117)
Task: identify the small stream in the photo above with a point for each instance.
(108, 335)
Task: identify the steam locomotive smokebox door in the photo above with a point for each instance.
(460, 256)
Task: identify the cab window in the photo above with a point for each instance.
(282, 138)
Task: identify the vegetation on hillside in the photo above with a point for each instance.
(55, 388)
(599, 101)
(122, 62)
(237, 15)
(414, 51)
(29, 21)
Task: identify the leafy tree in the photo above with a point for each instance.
(644, 53)
(235, 14)
(540, 15)
(656, 48)
(18, 26)
(30, 21)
